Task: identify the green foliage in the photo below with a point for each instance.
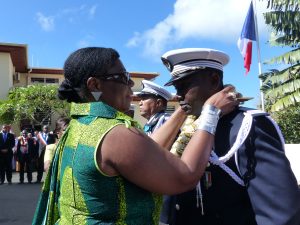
(283, 4)
(24, 102)
(285, 25)
(282, 88)
(6, 112)
(289, 123)
(291, 57)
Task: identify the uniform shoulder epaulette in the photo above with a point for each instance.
(256, 112)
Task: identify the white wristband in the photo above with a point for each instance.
(209, 118)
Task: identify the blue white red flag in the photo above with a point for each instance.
(246, 38)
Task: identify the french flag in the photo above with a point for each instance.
(247, 36)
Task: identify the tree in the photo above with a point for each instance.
(26, 102)
(289, 123)
(282, 88)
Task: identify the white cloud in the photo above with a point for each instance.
(92, 11)
(135, 40)
(220, 20)
(85, 41)
(83, 10)
(47, 23)
(72, 14)
(74, 10)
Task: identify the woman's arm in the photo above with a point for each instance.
(139, 159)
(166, 134)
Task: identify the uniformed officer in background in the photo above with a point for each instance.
(153, 105)
(248, 180)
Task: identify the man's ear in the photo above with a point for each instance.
(215, 81)
(93, 84)
(158, 102)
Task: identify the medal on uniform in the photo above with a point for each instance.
(207, 179)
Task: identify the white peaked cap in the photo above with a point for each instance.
(187, 61)
(154, 89)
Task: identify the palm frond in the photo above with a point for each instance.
(285, 25)
(287, 101)
(291, 57)
(278, 77)
(283, 90)
(283, 4)
(284, 40)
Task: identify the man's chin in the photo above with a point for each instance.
(186, 107)
(143, 114)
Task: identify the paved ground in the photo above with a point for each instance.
(18, 201)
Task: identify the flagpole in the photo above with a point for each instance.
(258, 57)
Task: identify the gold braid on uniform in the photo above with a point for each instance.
(187, 131)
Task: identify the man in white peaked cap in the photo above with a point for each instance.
(153, 105)
(248, 180)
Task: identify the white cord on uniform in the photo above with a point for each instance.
(199, 197)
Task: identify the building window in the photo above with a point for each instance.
(52, 81)
(42, 80)
(37, 80)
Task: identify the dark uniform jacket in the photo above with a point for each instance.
(8, 144)
(270, 195)
(155, 122)
(32, 149)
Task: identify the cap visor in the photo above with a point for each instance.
(170, 82)
(183, 75)
(140, 94)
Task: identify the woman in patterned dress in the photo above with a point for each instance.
(105, 169)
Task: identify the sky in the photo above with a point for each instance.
(141, 31)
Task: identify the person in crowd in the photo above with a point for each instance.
(43, 138)
(35, 135)
(25, 154)
(248, 179)
(14, 149)
(7, 142)
(36, 143)
(33, 145)
(153, 105)
(52, 138)
(60, 127)
(105, 169)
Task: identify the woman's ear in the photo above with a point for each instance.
(93, 84)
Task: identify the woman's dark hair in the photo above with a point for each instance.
(81, 65)
(51, 139)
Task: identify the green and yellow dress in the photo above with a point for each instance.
(77, 192)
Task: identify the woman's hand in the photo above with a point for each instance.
(225, 100)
